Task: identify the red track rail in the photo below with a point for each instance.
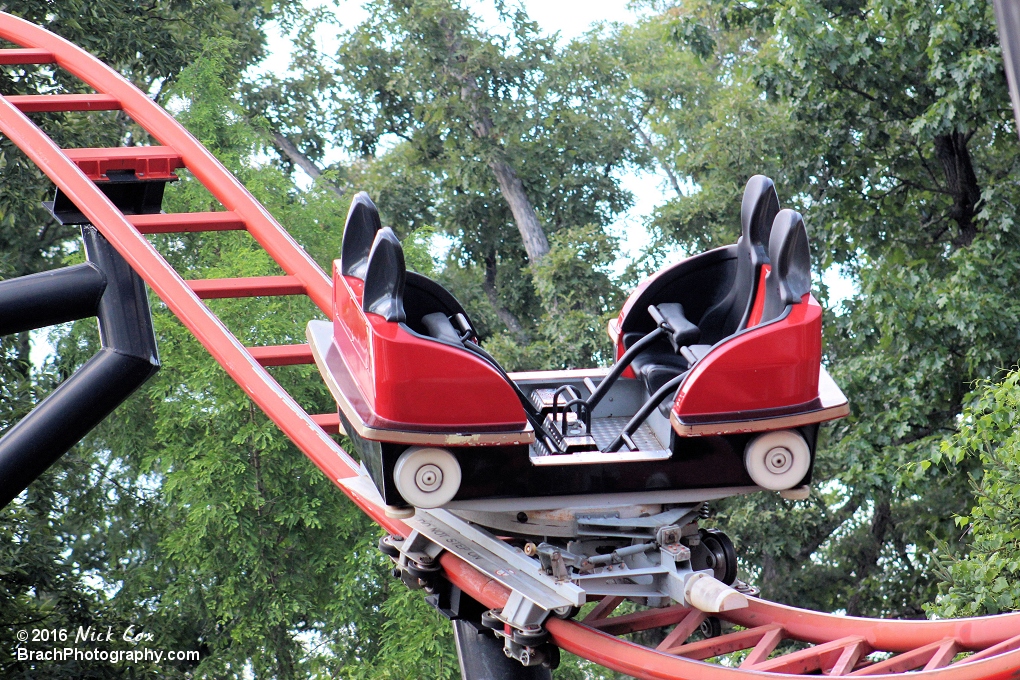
(958, 649)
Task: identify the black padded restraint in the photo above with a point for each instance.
(684, 332)
(789, 280)
(440, 328)
(384, 277)
(359, 235)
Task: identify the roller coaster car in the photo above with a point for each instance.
(731, 336)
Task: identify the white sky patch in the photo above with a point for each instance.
(650, 190)
(841, 288)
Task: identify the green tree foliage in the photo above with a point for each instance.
(197, 520)
(888, 125)
(495, 136)
(983, 580)
(40, 583)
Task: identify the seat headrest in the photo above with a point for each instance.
(384, 277)
(789, 279)
(758, 209)
(359, 235)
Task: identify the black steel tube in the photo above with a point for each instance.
(65, 416)
(620, 366)
(127, 359)
(125, 322)
(635, 422)
(48, 298)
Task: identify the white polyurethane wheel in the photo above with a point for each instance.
(427, 477)
(777, 460)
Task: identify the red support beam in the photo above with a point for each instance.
(282, 355)
(330, 422)
(147, 162)
(764, 647)
(251, 286)
(818, 658)
(41, 103)
(643, 620)
(20, 55)
(676, 638)
(725, 644)
(604, 608)
(174, 223)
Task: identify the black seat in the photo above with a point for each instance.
(390, 290)
(424, 299)
(789, 280)
(660, 362)
(758, 210)
(359, 236)
(385, 275)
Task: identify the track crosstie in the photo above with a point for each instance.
(957, 649)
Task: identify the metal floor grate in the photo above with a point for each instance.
(605, 431)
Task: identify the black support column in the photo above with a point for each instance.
(481, 656)
(479, 651)
(107, 288)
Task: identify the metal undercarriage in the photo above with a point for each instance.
(555, 560)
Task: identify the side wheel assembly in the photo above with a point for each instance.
(711, 627)
(389, 546)
(715, 551)
(415, 560)
(566, 612)
(777, 460)
(531, 637)
(552, 656)
(527, 643)
(427, 477)
(425, 571)
(490, 621)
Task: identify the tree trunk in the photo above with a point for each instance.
(673, 182)
(535, 242)
(510, 185)
(867, 561)
(961, 182)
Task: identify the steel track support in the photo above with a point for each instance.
(479, 652)
(105, 287)
(481, 656)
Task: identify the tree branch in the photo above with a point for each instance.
(651, 147)
(295, 156)
(504, 314)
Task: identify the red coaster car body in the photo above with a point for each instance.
(729, 342)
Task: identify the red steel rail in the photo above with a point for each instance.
(962, 649)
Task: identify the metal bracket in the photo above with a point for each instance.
(494, 558)
(533, 595)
